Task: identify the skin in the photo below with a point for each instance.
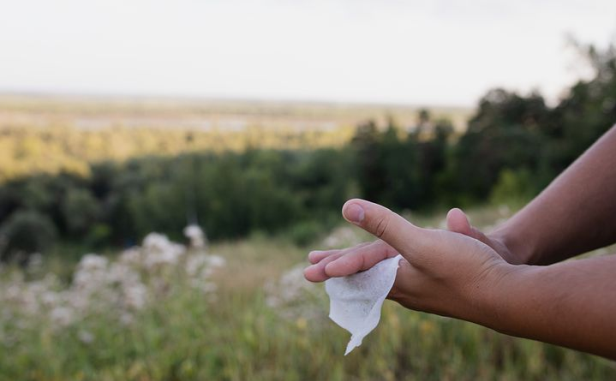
(508, 280)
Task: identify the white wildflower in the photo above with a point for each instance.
(49, 298)
(342, 237)
(135, 295)
(196, 236)
(85, 337)
(62, 316)
(215, 260)
(126, 318)
(35, 262)
(93, 262)
(160, 251)
(131, 256)
(292, 294)
(139, 276)
(194, 263)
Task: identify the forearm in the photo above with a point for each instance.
(575, 214)
(572, 304)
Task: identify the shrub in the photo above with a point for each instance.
(513, 187)
(305, 233)
(25, 233)
(80, 211)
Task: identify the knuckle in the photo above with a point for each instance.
(381, 226)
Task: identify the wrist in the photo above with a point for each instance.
(519, 245)
(499, 284)
(496, 303)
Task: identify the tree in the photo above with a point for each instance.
(80, 211)
(24, 233)
(370, 177)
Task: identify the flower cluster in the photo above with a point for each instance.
(344, 236)
(292, 296)
(120, 286)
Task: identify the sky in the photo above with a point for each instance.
(439, 52)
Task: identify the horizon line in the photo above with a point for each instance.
(186, 98)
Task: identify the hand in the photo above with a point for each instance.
(441, 272)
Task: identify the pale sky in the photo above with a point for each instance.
(443, 52)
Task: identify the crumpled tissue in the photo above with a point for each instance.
(356, 300)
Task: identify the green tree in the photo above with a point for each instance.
(80, 211)
(399, 161)
(370, 177)
(24, 233)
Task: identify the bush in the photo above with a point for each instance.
(80, 211)
(513, 187)
(25, 233)
(99, 235)
(305, 233)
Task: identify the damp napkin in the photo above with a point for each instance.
(356, 300)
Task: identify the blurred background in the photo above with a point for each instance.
(166, 166)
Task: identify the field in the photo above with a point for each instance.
(240, 311)
(47, 134)
(266, 179)
(92, 113)
(99, 279)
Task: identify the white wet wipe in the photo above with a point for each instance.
(356, 300)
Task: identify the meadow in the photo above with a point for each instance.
(240, 310)
(98, 281)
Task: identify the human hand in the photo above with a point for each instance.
(442, 272)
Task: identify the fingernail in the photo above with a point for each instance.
(354, 213)
(308, 268)
(313, 253)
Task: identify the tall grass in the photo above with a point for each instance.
(264, 323)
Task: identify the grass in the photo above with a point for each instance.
(236, 333)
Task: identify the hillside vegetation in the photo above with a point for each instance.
(59, 134)
(263, 181)
(241, 311)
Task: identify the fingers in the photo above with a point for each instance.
(316, 256)
(320, 259)
(360, 259)
(354, 259)
(396, 236)
(386, 225)
(316, 272)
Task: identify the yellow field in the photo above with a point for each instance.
(54, 134)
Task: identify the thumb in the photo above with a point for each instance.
(384, 224)
(458, 222)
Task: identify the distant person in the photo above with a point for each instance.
(511, 280)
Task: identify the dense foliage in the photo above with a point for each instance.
(513, 147)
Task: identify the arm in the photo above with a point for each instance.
(576, 213)
(571, 304)
(573, 215)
